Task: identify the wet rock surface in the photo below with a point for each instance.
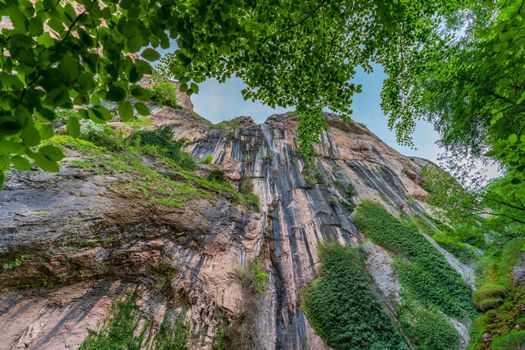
(85, 243)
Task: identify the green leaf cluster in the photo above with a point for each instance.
(426, 328)
(80, 54)
(466, 82)
(420, 266)
(502, 303)
(163, 139)
(343, 306)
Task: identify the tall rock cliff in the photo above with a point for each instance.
(195, 258)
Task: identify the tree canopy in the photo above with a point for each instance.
(468, 84)
(81, 54)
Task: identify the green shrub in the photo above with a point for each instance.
(426, 328)
(165, 93)
(163, 139)
(14, 264)
(250, 198)
(253, 277)
(343, 306)
(118, 332)
(502, 301)
(487, 304)
(216, 175)
(100, 134)
(489, 290)
(513, 340)
(207, 160)
(426, 274)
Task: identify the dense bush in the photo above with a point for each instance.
(343, 306)
(426, 328)
(163, 139)
(425, 272)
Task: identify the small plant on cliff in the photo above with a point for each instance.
(118, 332)
(207, 160)
(253, 277)
(246, 189)
(165, 93)
(343, 306)
(172, 336)
(14, 264)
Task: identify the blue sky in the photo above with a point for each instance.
(217, 102)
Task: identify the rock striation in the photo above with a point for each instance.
(83, 244)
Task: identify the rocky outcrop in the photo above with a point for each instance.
(82, 242)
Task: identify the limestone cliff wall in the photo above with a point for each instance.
(86, 243)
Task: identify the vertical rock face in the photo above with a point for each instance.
(49, 218)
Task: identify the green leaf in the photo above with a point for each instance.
(116, 93)
(73, 126)
(31, 136)
(51, 152)
(134, 43)
(21, 163)
(141, 108)
(150, 54)
(194, 88)
(140, 93)
(513, 139)
(45, 163)
(46, 131)
(4, 162)
(8, 147)
(125, 111)
(45, 40)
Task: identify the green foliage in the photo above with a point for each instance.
(288, 54)
(14, 264)
(333, 201)
(512, 340)
(253, 277)
(172, 337)
(165, 93)
(163, 138)
(502, 302)
(465, 82)
(207, 160)
(348, 191)
(426, 328)
(343, 306)
(216, 175)
(220, 340)
(425, 272)
(117, 332)
(99, 134)
(246, 189)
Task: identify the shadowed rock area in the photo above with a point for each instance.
(85, 242)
